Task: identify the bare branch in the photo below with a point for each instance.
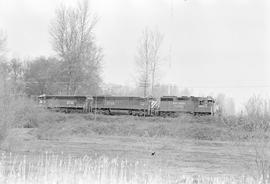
(73, 40)
(3, 42)
(148, 58)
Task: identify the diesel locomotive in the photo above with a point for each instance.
(137, 106)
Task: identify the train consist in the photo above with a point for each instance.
(137, 106)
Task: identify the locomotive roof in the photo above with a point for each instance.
(62, 96)
(168, 96)
(190, 97)
(176, 97)
(107, 96)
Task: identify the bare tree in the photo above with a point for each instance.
(143, 61)
(156, 41)
(3, 88)
(3, 41)
(148, 59)
(16, 75)
(3, 65)
(74, 42)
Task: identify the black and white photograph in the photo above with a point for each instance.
(134, 92)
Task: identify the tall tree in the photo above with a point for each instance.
(3, 41)
(16, 75)
(4, 93)
(3, 66)
(73, 39)
(143, 61)
(156, 41)
(4, 86)
(148, 59)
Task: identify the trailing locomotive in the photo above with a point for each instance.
(137, 106)
(130, 105)
(64, 103)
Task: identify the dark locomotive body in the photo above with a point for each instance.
(173, 105)
(64, 103)
(115, 104)
(165, 106)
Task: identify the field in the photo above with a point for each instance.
(81, 147)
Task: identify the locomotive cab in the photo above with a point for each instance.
(205, 106)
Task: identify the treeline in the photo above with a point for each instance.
(45, 76)
(74, 70)
(76, 66)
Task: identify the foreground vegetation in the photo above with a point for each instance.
(54, 169)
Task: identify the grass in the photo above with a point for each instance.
(184, 127)
(58, 169)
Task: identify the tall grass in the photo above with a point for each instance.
(253, 128)
(57, 169)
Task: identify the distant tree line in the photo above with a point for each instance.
(76, 66)
(75, 70)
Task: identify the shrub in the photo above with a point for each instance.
(206, 133)
(160, 130)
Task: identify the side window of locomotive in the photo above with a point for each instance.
(70, 102)
(210, 101)
(166, 99)
(201, 102)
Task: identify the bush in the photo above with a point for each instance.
(207, 133)
(3, 132)
(22, 112)
(160, 130)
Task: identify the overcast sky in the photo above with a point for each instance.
(216, 45)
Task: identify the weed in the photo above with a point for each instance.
(60, 169)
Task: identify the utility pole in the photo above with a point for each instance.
(170, 50)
